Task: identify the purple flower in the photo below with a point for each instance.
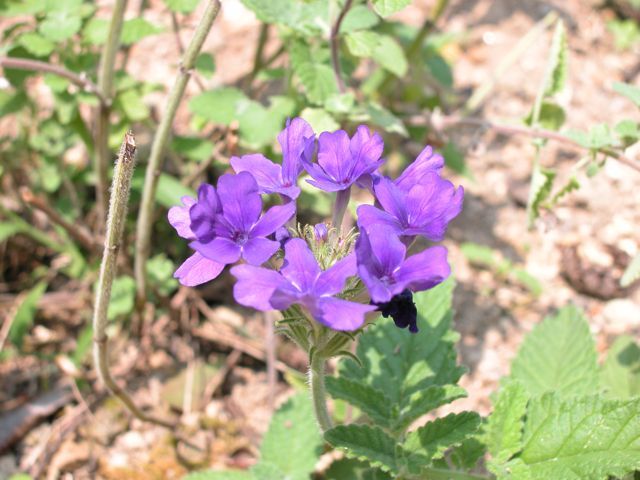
(386, 272)
(298, 142)
(196, 269)
(228, 226)
(320, 232)
(424, 209)
(343, 161)
(301, 281)
(425, 164)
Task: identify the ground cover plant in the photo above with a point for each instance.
(310, 198)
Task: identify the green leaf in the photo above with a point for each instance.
(558, 61)
(306, 17)
(170, 191)
(12, 102)
(59, 25)
(431, 441)
(182, 6)
(316, 77)
(123, 294)
(95, 31)
(558, 355)
(193, 148)
(36, 44)
(9, 229)
(365, 443)
(581, 438)
(388, 7)
(503, 430)
(599, 136)
(352, 469)
(380, 116)
(625, 33)
(552, 116)
(390, 55)
(319, 119)
(359, 18)
(260, 125)
(136, 29)
(160, 272)
(632, 273)
(569, 187)
(425, 401)
(206, 65)
(221, 475)
(25, 313)
(362, 43)
(131, 104)
(620, 373)
(630, 91)
(217, 106)
(628, 131)
(454, 159)
(539, 191)
(84, 343)
(371, 401)
(293, 441)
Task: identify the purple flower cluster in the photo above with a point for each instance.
(226, 224)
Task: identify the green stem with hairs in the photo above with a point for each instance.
(318, 393)
(145, 216)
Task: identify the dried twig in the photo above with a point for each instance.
(334, 40)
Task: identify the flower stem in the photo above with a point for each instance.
(145, 216)
(342, 200)
(318, 393)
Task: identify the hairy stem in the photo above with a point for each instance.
(105, 86)
(81, 80)
(334, 40)
(145, 216)
(318, 393)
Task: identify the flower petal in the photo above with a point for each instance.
(294, 140)
(241, 202)
(392, 199)
(258, 250)
(366, 151)
(369, 215)
(219, 249)
(203, 213)
(332, 280)
(340, 314)
(197, 270)
(334, 156)
(255, 286)
(386, 248)
(267, 174)
(300, 266)
(179, 217)
(424, 270)
(425, 163)
(379, 292)
(273, 219)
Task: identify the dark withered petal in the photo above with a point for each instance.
(402, 310)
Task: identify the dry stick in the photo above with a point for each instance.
(444, 122)
(75, 231)
(145, 216)
(115, 226)
(105, 86)
(335, 46)
(36, 66)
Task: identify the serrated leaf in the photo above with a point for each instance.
(632, 272)
(632, 92)
(390, 55)
(306, 17)
(123, 294)
(551, 117)
(467, 455)
(260, 125)
(599, 136)
(293, 441)
(558, 61)
(36, 44)
(558, 355)
(316, 77)
(628, 130)
(136, 29)
(25, 313)
(319, 119)
(218, 106)
(569, 187)
(59, 25)
(193, 148)
(182, 6)
(503, 430)
(424, 401)
(620, 373)
(581, 438)
(352, 469)
(170, 190)
(362, 43)
(220, 475)
(388, 7)
(359, 18)
(382, 117)
(130, 102)
(365, 443)
(539, 191)
(431, 441)
(205, 65)
(371, 401)
(454, 159)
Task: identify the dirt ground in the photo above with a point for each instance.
(492, 314)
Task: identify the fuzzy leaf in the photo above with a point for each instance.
(221, 475)
(371, 401)
(320, 120)
(430, 442)
(359, 18)
(620, 373)
(136, 29)
(630, 91)
(217, 106)
(558, 66)
(503, 430)
(193, 148)
(306, 17)
(59, 25)
(632, 273)
(558, 355)
(293, 441)
(182, 6)
(36, 44)
(539, 191)
(581, 438)
(366, 443)
(25, 313)
(170, 191)
(378, 115)
(424, 401)
(388, 7)
(205, 65)
(384, 49)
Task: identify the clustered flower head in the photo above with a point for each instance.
(330, 277)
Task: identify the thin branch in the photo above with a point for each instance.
(145, 216)
(445, 122)
(75, 231)
(175, 25)
(335, 46)
(257, 58)
(80, 80)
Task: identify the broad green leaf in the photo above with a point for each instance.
(12, 102)
(584, 438)
(371, 401)
(193, 148)
(95, 31)
(558, 62)
(598, 136)
(307, 17)
(628, 131)
(218, 106)
(131, 104)
(260, 125)
(558, 355)
(59, 25)
(424, 401)
(123, 294)
(626, 33)
(632, 92)
(182, 6)
(136, 29)
(467, 455)
(632, 273)
(25, 313)
(221, 475)
(319, 119)
(362, 43)
(293, 442)
(390, 55)
(170, 191)
(206, 65)
(454, 159)
(620, 373)
(551, 117)
(503, 429)
(84, 343)
(365, 443)
(160, 272)
(539, 191)
(359, 18)
(36, 44)
(340, 103)
(388, 7)
(431, 441)
(380, 116)
(352, 469)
